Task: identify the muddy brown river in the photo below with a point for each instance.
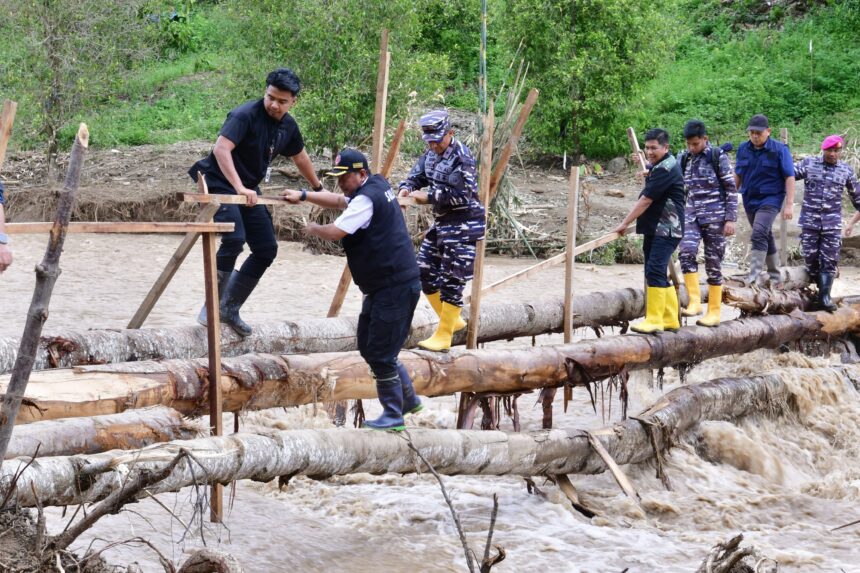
(784, 483)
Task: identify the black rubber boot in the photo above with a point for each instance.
(411, 402)
(223, 276)
(825, 283)
(391, 397)
(238, 288)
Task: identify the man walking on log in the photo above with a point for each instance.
(821, 213)
(380, 256)
(253, 134)
(5, 251)
(447, 254)
(764, 176)
(712, 209)
(659, 215)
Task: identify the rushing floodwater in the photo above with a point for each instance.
(783, 483)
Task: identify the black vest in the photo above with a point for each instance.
(382, 254)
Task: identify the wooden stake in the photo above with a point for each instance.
(566, 487)
(391, 156)
(46, 276)
(508, 149)
(783, 224)
(376, 163)
(176, 260)
(572, 218)
(484, 192)
(213, 339)
(620, 477)
(7, 119)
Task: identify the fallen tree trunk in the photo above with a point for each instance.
(766, 301)
(498, 321)
(324, 453)
(260, 381)
(132, 429)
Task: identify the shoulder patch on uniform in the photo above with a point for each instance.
(667, 163)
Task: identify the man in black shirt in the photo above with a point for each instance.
(253, 134)
(659, 215)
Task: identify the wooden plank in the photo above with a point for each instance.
(484, 193)
(381, 104)
(7, 119)
(170, 269)
(508, 149)
(393, 150)
(225, 199)
(566, 487)
(622, 480)
(553, 261)
(783, 224)
(122, 227)
(572, 217)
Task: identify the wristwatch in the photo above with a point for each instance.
(320, 188)
(4, 239)
(304, 195)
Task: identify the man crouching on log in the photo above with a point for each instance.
(380, 256)
(659, 215)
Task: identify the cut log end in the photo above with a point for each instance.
(83, 135)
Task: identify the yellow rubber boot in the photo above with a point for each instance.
(715, 298)
(655, 302)
(670, 311)
(693, 289)
(435, 300)
(441, 339)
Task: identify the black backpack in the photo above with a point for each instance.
(712, 156)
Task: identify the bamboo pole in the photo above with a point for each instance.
(172, 266)
(783, 224)
(551, 262)
(376, 156)
(46, 276)
(7, 120)
(213, 339)
(478, 279)
(121, 227)
(508, 150)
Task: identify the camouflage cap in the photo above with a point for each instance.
(434, 125)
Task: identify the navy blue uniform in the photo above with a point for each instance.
(447, 254)
(258, 139)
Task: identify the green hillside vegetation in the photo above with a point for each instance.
(143, 72)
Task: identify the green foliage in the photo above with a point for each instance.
(626, 250)
(803, 77)
(588, 59)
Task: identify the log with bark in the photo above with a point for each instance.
(766, 301)
(132, 429)
(324, 453)
(260, 381)
(498, 321)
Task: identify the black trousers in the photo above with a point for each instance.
(658, 252)
(253, 225)
(383, 325)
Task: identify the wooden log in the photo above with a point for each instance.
(499, 321)
(260, 381)
(122, 227)
(130, 430)
(46, 276)
(323, 453)
(766, 301)
(170, 269)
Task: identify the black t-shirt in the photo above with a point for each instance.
(665, 187)
(258, 139)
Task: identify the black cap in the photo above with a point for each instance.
(758, 123)
(348, 160)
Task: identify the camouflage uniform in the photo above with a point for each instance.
(708, 208)
(821, 213)
(447, 254)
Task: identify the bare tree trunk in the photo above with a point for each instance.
(46, 275)
(259, 381)
(129, 430)
(324, 453)
(498, 321)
